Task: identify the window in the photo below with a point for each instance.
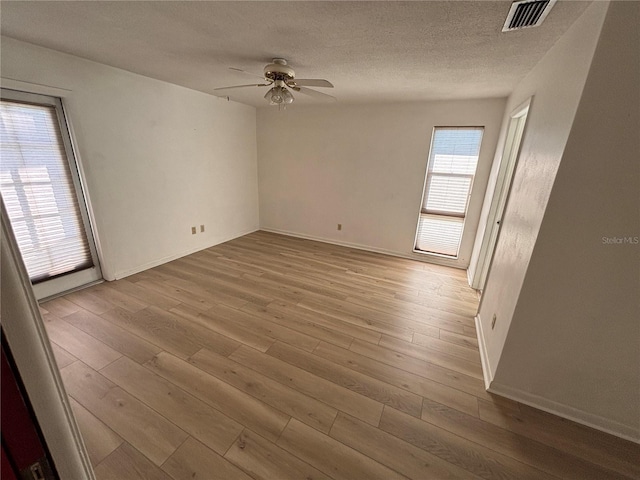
(41, 192)
(452, 166)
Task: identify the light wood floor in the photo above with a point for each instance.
(276, 358)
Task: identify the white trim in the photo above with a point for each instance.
(550, 406)
(420, 257)
(162, 261)
(59, 286)
(31, 350)
(522, 109)
(85, 191)
(469, 280)
(565, 411)
(507, 165)
(484, 354)
(37, 88)
(76, 289)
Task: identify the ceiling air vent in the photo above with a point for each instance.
(527, 13)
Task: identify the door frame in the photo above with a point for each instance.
(32, 353)
(508, 161)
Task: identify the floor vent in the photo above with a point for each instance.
(527, 13)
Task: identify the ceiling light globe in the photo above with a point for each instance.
(286, 96)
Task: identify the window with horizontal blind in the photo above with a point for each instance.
(452, 165)
(41, 192)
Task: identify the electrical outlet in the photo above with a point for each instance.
(339, 226)
(493, 321)
(201, 228)
(193, 230)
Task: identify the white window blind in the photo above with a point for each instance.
(452, 165)
(38, 192)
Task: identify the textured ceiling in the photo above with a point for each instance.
(371, 51)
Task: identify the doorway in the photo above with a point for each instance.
(43, 195)
(515, 131)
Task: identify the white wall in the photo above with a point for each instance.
(580, 347)
(157, 158)
(556, 84)
(567, 337)
(362, 166)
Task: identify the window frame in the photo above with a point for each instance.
(424, 212)
(80, 278)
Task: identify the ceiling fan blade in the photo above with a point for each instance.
(243, 86)
(314, 93)
(245, 72)
(312, 82)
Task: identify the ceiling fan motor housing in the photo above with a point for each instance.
(279, 70)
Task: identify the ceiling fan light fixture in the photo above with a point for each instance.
(280, 77)
(276, 96)
(287, 96)
(279, 95)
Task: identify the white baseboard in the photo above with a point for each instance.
(484, 355)
(469, 279)
(411, 256)
(565, 411)
(161, 261)
(541, 403)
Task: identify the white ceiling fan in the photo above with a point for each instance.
(281, 77)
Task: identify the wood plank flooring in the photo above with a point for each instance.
(275, 358)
